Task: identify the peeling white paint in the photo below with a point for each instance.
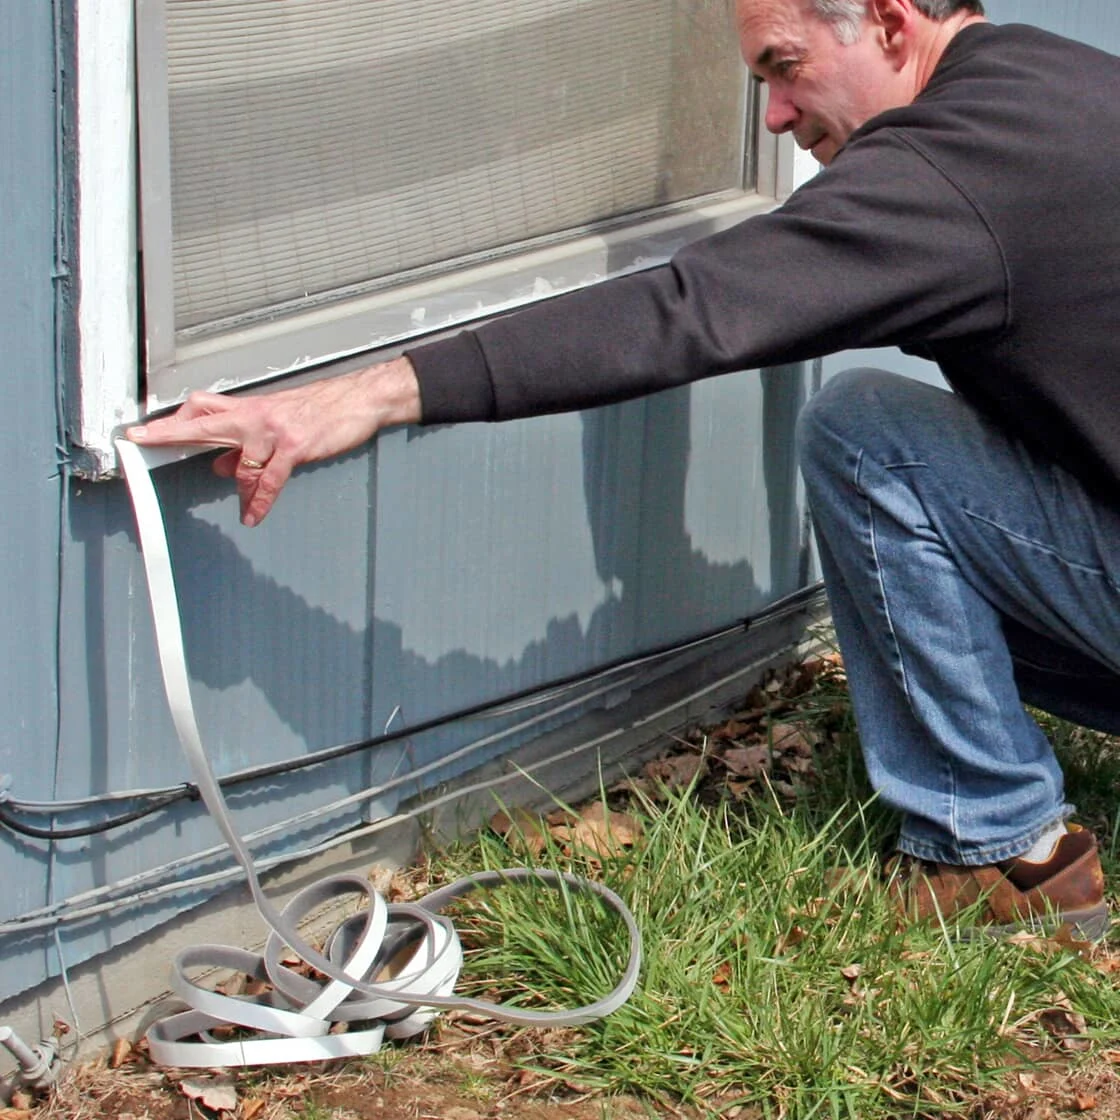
(108, 353)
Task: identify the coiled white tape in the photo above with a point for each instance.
(393, 967)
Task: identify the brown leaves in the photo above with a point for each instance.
(522, 830)
(121, 1052)
(1063, 940)
(396, 885)
(745, 751)
(675, 772)
(1066, 1026)
(747, 762)
(721, 978)
(774, 755)
(763, 748)
(219, 1094)
(598, 832)
(594, 833)
(1052, 1092)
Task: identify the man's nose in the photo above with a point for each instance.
(781, 114)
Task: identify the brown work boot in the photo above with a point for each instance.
(1065, 890)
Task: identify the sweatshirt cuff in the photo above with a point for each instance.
(454, 380)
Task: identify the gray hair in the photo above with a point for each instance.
(847, 15)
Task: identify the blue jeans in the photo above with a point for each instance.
(966, 576)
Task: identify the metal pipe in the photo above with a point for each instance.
(38, 1065)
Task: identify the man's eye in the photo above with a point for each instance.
(786, 68)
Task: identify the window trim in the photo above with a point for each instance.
(114, 354)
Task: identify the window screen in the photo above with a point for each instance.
(326, 148)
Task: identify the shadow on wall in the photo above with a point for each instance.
(315, 669)
(636, 514)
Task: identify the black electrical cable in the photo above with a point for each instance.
(8, 821)
(189, 792)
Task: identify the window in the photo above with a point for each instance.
(321, 178)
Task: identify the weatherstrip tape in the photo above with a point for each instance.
(392, 967)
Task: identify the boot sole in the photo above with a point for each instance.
(1090, 924)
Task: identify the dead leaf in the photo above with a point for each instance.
(121, 1052)
(747, 762)
(677, 771)
(790, 940)
(1067, 1026)
(403, 888)
(722, 976)
(1068, 939)
(599, 831)
(521, 830)
(249, 1108)
(15, 1114)
(795, 764)
(1084, 1102)
(232, 985)
(732, 729)
(852, 972)
(219, 1094)
(380, 877)
(21, 1099)
(647, 789)
(790, 738)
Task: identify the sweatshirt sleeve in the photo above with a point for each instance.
(879, 249)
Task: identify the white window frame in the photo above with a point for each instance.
(111, 351)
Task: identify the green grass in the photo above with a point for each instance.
(749, 992)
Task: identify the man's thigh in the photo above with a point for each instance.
(1021, 529)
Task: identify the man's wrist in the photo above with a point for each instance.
(393, 390)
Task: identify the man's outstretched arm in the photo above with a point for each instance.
(272, 434)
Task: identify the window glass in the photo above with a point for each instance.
(323, 149)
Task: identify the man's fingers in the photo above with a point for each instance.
(225, 465)
(204, 404)
(204, 418)
(258, 488)
(216, 431)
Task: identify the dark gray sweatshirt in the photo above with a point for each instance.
(978, 226)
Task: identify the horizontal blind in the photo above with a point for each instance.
(319, 145)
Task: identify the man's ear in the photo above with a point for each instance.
(894, 24)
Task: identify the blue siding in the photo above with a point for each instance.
(30, 482)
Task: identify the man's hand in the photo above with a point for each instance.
(270, 435)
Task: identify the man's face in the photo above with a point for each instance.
(820, 88)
